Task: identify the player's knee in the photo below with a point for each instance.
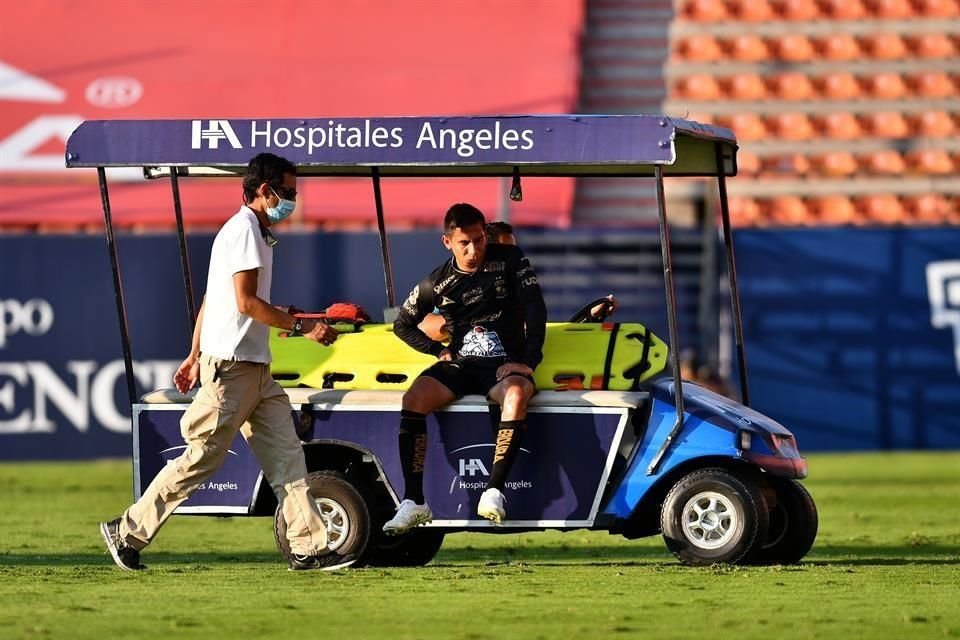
(515, 397)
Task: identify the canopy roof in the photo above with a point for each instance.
(557, 145)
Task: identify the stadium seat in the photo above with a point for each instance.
(843, 9)
(840, 125)
(747, 126)
(699, 87)
(932, 46)
(838, 47)
(927, 209)
(752, 10)
(792, 126)
(839, 86)
(890, 9)
(792, 165)
(884, 46)
(788, 211)
(885, 162)
(937, 8)
(794, 47)
(706, 10)
(888, 86)
(748, 48)
(744, 212)
(792, 86)
(748, 164)
(834, 210)
(836, 164)
(929, 162)
(796, 10)
(931, 84)
(932, 124)
(744, 86)
(882, 209)
(886, 124)
(700, 47)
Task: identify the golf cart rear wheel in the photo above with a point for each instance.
(413, 549)
(793, 524)
(344, 513)
(713, 516)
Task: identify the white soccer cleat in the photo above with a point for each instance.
(409, 515)
(491, 506)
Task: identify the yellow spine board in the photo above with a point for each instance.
(574, 356)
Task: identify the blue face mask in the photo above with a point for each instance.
(282, 211)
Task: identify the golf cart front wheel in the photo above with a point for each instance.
(793, 524)
(713, 516)
(344, 513)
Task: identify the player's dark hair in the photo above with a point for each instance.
(265, 167)
(496, 229)
(461, 216)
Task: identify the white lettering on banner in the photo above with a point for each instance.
(472, 467)
(943, 291)
(34, 317)
(216, 131)
(90, 393)
(16, 151)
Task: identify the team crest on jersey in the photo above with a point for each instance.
(481, 343)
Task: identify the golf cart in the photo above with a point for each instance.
(616, 441)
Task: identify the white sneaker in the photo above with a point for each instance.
(409, 515)
(491, 506)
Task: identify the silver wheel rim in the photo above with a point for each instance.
(336, 520)
(709, 520)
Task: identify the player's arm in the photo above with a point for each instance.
(534, 311)
(416, 307)
(250, 304)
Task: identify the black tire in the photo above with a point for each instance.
(345, 513)
(414, 549)
(696, 508)
(793, 524)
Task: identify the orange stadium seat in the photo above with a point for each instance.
(885, 162)
(699, 87)
(834, 210)
(838, 46)
(747, 126)
(927, 209)
(792, 86)
(890, 9)
(888, 86)
(790, 165)
(748, 164)
(880, 209)
(884, 46)
(706, 10)
(744, 212)
(745, 86)
(752, 10)
(794, 47)
(932, 124)
(931, 46)
(748, 48)
(886, 124)
(843, 9)
(931, 84)
(792, 126)
(840, 125)
(700, 47)
(930, 161)
(839, 86)
(937, 8)
(796, 10)
(836, 164)
(788, 211)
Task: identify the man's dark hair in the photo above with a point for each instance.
(496, 229)
(265, 167)
(461, 216)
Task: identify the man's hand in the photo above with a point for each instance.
(187, 374)
(604, 309)
(511, 368)
(319, 332)
(445, 355)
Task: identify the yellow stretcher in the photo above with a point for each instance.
(576, 356)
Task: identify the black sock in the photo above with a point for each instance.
(506, 446)
(413, 453)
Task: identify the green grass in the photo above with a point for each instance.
(886, 565)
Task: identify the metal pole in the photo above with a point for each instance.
(117, 285)
(732, 277)
(184, 258)
(671, 321)
(384, 246)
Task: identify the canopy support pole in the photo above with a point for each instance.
(184, 258)
(671, 321)
(117, 286)
(732, 279)
(384, 246)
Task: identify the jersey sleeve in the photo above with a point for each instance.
(534, 310)
(414, 309)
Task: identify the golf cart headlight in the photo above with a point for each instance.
(744, 440)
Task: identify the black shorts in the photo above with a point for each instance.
(467, 377)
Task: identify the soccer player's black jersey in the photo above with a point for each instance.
(495, 312)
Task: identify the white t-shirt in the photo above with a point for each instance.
(226, 333)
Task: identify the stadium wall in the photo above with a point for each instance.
(848, 345)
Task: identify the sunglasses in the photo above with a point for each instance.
(285, 193)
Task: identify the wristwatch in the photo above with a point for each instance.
(298, 326)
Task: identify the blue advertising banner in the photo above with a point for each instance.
(853, 335)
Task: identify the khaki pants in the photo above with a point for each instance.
(243, 397)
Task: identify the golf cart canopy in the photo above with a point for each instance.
(555, 145)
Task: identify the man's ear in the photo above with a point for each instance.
(446, 242)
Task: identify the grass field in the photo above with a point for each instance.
(886, 565)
